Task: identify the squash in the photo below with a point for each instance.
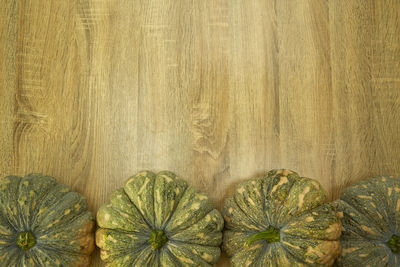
(43, 223)
(370, 215)
(280, 219)
(159, 220)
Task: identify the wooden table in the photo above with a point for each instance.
(93, 91)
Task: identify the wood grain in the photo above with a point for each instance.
(93, 91)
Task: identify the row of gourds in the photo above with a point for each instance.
(279, 219)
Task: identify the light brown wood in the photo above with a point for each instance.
(93, 91)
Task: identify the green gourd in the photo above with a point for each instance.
(43, 223)
(159, 220)
(370, 215)
(280, 219)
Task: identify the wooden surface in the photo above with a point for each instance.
(92, 91)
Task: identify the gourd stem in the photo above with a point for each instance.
(157, 239)
(394, 243)
(270, 235)
(25, 240)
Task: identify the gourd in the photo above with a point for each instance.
(159, 220)
(280, 219)
(370, 215)
(43, 223)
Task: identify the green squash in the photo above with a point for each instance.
(159, 220)
(280, 219)
(43, 223)
(370, 215)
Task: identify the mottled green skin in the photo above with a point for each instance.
(308, 229)
(57, 219)
(370, 215)
(148, 204)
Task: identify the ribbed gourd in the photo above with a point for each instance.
(370, 215)
(280, 219)
(159, 220)
(43, 223)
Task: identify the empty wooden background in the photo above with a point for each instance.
(92, 91)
